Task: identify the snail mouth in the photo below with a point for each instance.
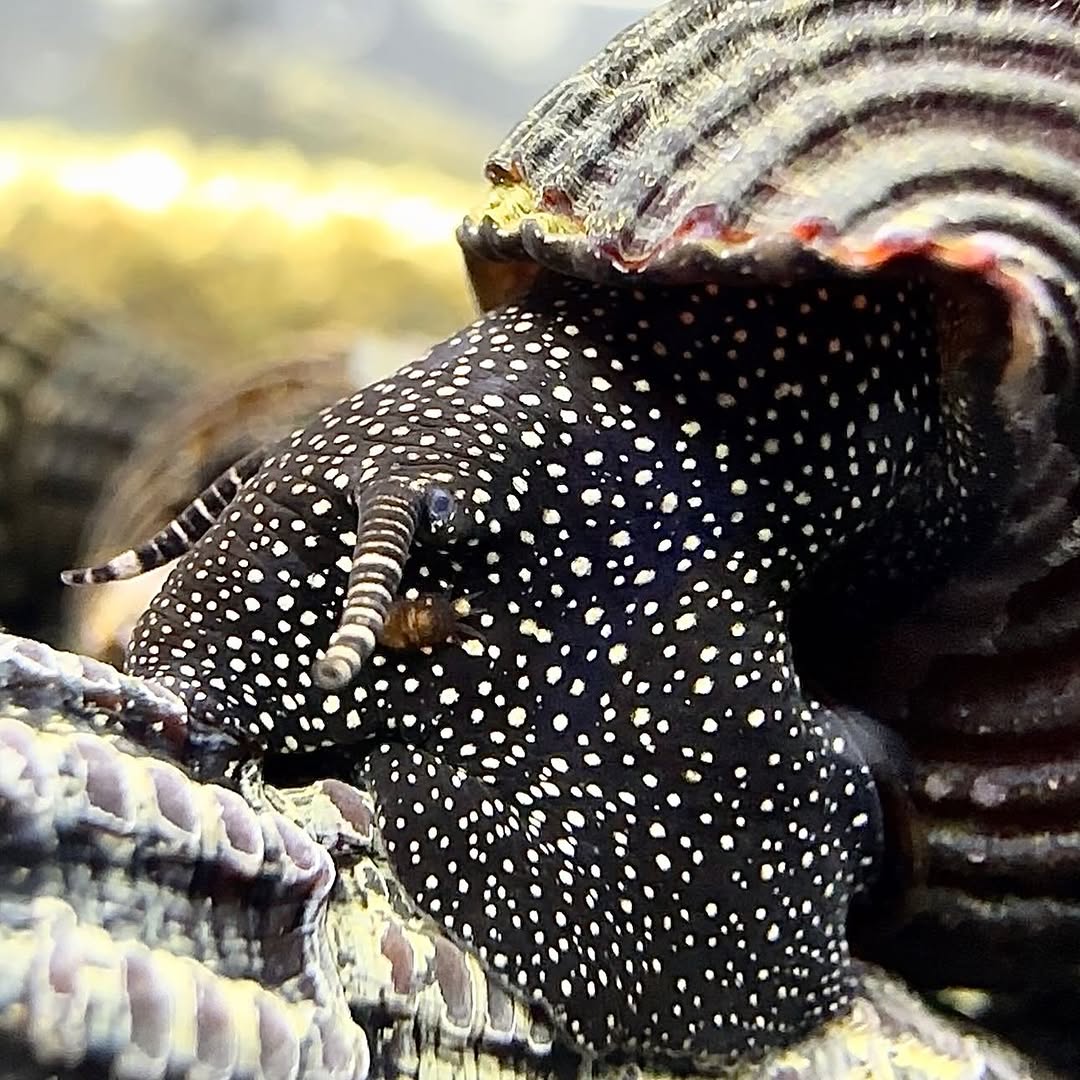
(981, 681)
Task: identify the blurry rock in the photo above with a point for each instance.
(76, 391)
(227, 251)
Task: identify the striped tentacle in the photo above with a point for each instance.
(180, 535)
(389, 515)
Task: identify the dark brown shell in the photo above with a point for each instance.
(76, 391)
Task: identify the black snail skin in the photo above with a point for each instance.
(639, 482)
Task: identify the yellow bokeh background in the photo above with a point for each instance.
(232, 252)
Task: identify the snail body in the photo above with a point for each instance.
(597, 546)
(425, 621)
(762, 334)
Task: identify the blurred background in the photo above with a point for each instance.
(231, 172)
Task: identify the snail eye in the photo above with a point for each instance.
(441, 509)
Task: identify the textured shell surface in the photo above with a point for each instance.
(765, 137)
(780, 340)
(153, 925)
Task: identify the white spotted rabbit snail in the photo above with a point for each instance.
(781, 329)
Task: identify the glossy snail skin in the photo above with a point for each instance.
(780, 331)
(768, 141)
(630, 731)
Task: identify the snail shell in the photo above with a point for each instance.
(76, 392)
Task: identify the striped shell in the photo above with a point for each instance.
(776, 139)
(768, 139)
